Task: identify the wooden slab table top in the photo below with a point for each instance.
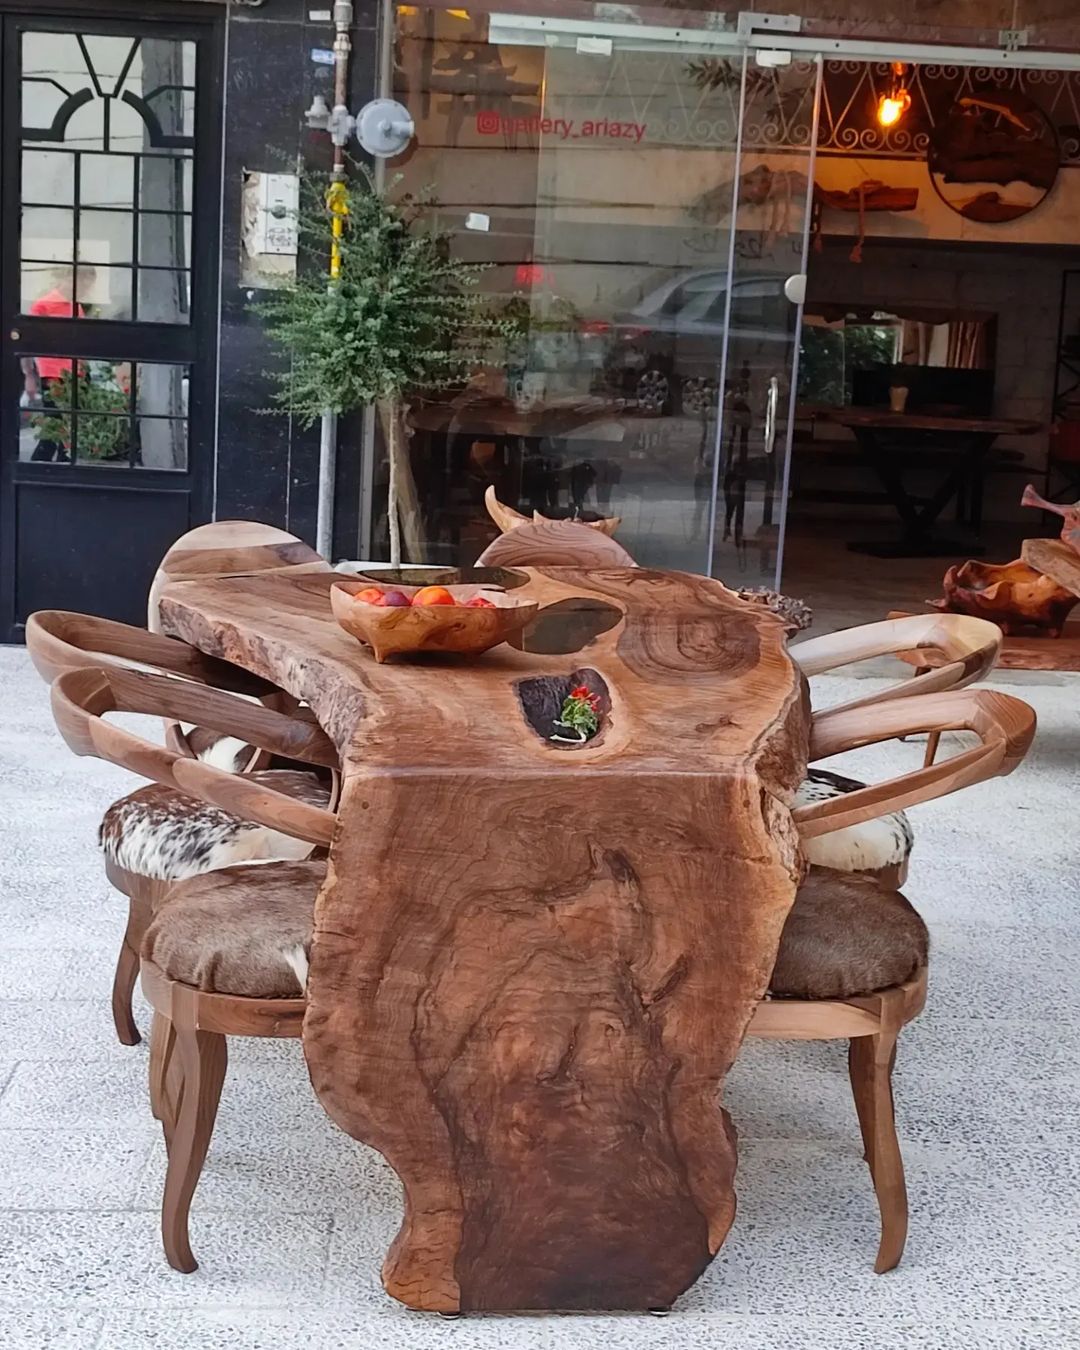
(533, 966)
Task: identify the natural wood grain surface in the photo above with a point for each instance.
(532, 969)
(407, 630)
(1055, 559)
(231, 548)
(1014, 595)
(885, 419)
(1017, 653)
(554, 543)
(508, 519)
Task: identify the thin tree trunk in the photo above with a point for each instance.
(390, 413)
(402, 506)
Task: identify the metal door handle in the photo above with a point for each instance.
(772, 400)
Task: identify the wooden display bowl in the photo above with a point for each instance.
(1012, 595)
(437, 629)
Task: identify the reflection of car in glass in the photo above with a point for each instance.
(664, 351)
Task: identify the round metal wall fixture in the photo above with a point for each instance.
(384, 128)
(994, 157)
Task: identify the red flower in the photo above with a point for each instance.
(582, 692)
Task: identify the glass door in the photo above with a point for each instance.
(598, 169)
(628, 262)
(764, 208)
(110, 148)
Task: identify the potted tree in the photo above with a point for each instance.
(400, 316)
(100, 397)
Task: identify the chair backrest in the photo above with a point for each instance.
(508, 519)
(554, 543)
(59, 640)
(226, 548)
(968, 647)
(230, 548)
(82, 698)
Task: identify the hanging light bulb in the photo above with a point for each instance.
(895, 103)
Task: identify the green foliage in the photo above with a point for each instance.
(403, 317)
(580, 711)
(99, 436)
(829, 358)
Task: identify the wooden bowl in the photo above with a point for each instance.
(430, 628)
(1012, 595)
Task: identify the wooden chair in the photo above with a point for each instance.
(554, 543)
(508, 519)
(157, 835)
(964, 650)
(269, 910)
(191, 1024)
(228, 548)
(871, 1024)
(871, 1020)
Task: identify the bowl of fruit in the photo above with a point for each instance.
(401, 620)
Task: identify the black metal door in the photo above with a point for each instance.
(110, 151)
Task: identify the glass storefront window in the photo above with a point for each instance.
(600, 181)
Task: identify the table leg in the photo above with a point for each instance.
(918, 540)
(530, 1011)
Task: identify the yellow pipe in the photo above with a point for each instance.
(337, 204)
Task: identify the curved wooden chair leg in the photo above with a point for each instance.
(164, 1074)
(127, 972)
(932, 743)
(203, 1058)
(870, 1063)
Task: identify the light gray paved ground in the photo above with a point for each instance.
(292, 1218)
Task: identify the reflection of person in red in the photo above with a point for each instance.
(40, 372)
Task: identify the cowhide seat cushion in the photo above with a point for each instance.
(847, 935)
(161, 832)
(247, 930)
(239, 930)
(873, 846)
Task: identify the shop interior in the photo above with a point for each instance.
(645, 209)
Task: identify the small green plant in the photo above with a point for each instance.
(99, 402)
(401, 317)
(580, 715)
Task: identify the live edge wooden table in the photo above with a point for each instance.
(886, 439)
(533, 965)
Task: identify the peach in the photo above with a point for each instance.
(433, 595)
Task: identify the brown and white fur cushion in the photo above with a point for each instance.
(240, 930)
(248, 931)
(163, 833)
(873, 846)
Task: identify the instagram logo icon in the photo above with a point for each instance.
(488, 123)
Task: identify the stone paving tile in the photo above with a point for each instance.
(35, 1328)
(323, 1329)
(113, 1260)
(71, 1169)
